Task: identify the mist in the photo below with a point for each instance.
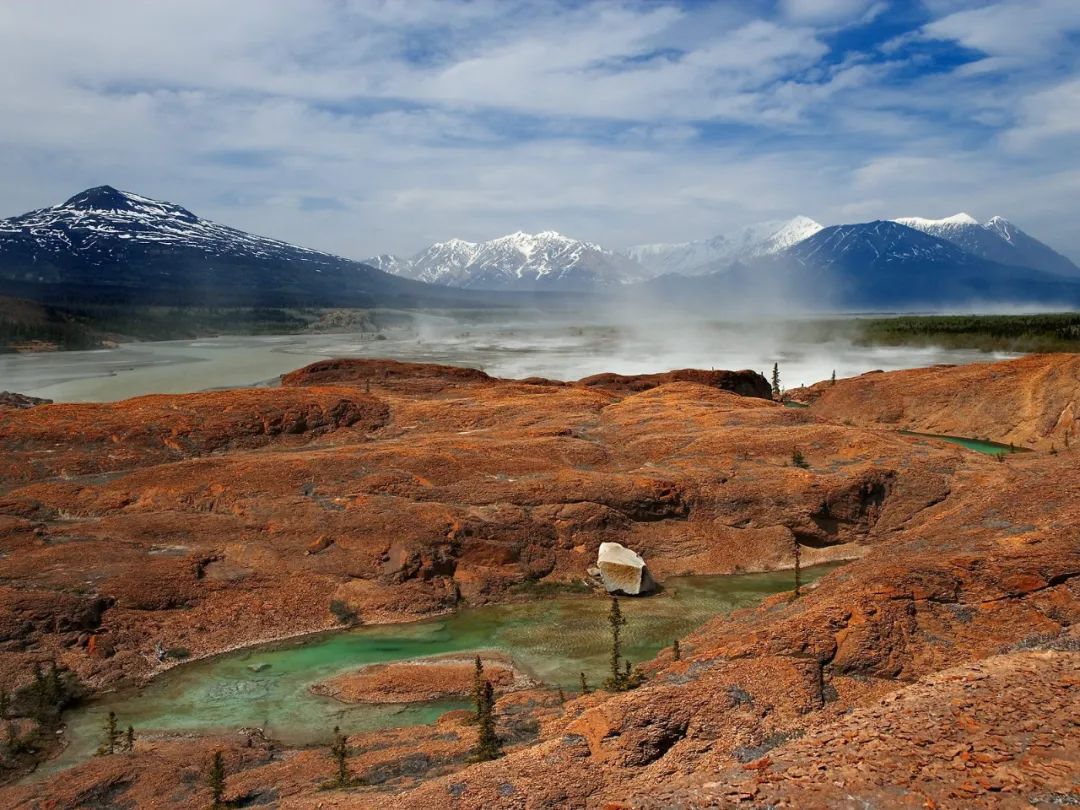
(563, 345)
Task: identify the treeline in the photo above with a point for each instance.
(15, 333)
(1044, 332)
(90, 326)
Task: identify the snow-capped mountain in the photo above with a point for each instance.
(870, 265)
(996, 239)
(709, 255)
(551, 261)
(518, 261)
(109, 244)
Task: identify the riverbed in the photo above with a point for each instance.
(553, 638)
(521, 345)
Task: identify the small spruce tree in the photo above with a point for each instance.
(562, 696)
(798, 571)
(488, 744)
(832, 380)
(129, 739)
(41, 693)
(111, 735)
(616, 621)
(584, 685)
(215, 781)
(339, 750)
(478, 687)
(676, 653)
(798, 459)
(776, 380)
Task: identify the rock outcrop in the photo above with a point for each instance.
(965, 585)
(12, 400)
(623, 570)
(422, 680)
(1032, 402)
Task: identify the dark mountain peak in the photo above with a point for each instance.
(104, 198)
(107, 198)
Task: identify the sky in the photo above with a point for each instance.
(362, 127)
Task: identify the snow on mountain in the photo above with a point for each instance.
(879, 265)
(102, 219)
(997, 239)
(109, 244)
(709, 255)
(876, 245)
(519, 261)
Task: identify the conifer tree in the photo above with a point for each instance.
(478, 686)
(129, 739)
(41, 693)
(111, 735)
(339, 750)
(832, 380)
(616, 621)
(676, 653)
(562, 696)
(798, 571)
(54, 688)
(215, 781)
(584, 685)
(776, 381)
(488, 744)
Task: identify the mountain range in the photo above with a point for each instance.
(519, 261)
(115, 246)
(953, 246)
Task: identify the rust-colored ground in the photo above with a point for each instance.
(939, 669)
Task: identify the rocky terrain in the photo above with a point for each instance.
(422, 679)
(1032, 402)
(936, 670)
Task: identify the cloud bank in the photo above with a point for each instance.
(365, 126)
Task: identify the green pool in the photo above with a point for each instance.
(553, 638)
(978, 445)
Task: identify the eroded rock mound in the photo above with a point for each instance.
(422, 680)
(744, 383)
(354, 371)
(15, 401)
(70, 440)
(1032, 402)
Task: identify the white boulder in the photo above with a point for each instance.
(623, 570)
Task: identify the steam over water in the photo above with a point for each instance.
(508, 345)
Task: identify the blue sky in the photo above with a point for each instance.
(363, 127)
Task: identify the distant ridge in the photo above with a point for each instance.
(518, 261)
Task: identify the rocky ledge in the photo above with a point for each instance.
(423, 679)
(9, 399)
(936, 670)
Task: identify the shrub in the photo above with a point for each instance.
(344, 613)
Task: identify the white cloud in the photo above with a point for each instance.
(618, 122)
(829, 11)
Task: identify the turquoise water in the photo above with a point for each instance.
(552, 637)
(978, 445)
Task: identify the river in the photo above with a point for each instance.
(521, 345)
